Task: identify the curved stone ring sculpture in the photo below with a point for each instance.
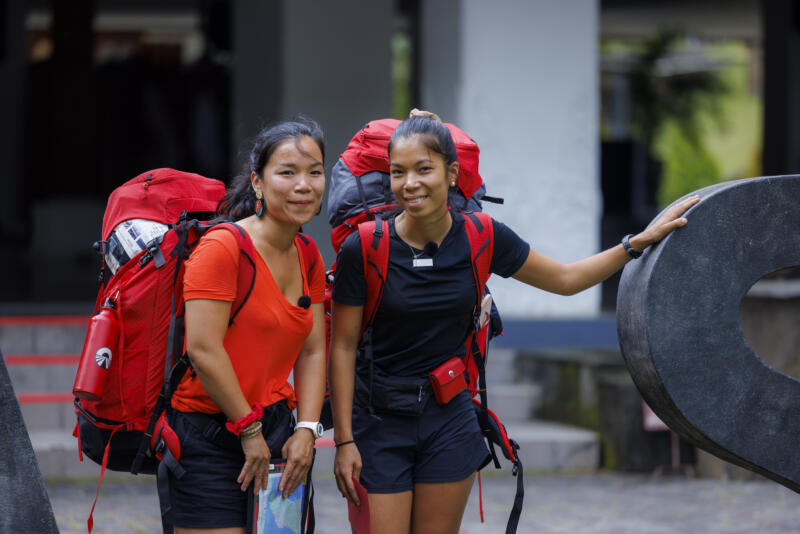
(678, 319)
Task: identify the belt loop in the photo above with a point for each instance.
(211, 431)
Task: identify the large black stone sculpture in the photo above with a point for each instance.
(24, 504)
(678, 317)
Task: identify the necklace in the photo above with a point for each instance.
(416, 260)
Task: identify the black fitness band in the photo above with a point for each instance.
(344, 443)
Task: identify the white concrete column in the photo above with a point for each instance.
(521, 78)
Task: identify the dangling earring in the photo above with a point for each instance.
(260, 203)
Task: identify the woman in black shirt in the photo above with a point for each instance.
(419, 468)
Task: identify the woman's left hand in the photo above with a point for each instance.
(670, 220)
(299, 453)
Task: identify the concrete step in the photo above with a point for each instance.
(547, 446)
(57, 454)
(514, 402)
(500, 366)
(43, 335)
(38, 373)
(41, 356)
(43, 389)
(56, 417)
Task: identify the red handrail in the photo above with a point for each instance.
(41, 359)
(44, 320)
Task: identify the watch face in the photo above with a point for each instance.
(320, 429)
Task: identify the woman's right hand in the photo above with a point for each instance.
(346, 466)
(256, 463)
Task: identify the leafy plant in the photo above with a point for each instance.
(670, 84)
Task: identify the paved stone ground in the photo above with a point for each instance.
(603, 503)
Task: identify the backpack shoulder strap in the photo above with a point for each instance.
(375, 240)
(189, 231)
(374, 237)
(480, 234)
(247, 268)
(308, 250)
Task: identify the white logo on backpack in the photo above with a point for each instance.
(103, 357)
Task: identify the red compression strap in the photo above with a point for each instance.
(77, 433)
(90, 521)
(480, 495)
(237, 427)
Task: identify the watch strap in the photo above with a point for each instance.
(313, 426)
(626, 244)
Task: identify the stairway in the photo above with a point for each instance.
(41, 354)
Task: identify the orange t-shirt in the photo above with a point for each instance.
(265, 338)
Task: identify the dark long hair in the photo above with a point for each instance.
(433, 134)
(240, 199)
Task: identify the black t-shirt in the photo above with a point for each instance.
(425, 314)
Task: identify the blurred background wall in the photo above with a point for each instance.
(590, 115)
(521, 78)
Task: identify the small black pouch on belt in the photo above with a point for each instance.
(392, 395)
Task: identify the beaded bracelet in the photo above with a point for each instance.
(237, 427)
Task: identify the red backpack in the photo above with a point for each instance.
(360, 186)
(360, 189)
(358, 197)
(124, 429)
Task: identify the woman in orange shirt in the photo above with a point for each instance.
(233, 412)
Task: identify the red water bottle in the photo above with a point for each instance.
(98, 351)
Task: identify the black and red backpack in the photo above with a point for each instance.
(125, 429)
(360, 199)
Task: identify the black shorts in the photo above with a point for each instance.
(444, 444)
(207, 495)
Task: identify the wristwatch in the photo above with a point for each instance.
(315, 427)
(626, 244)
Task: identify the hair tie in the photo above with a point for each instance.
(425, 114)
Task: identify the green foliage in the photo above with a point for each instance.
(725, 135)
(688, 165)
(694, 105)
(662, 91)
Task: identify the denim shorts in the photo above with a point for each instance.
(443, 444)
(207, 495)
